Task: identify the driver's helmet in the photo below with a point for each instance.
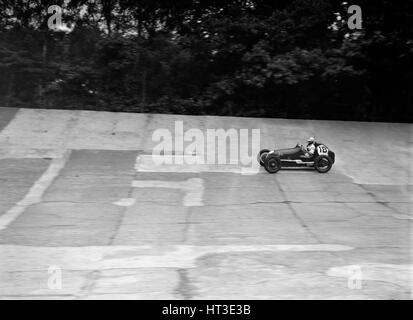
(310, 140)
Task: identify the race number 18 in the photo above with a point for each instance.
(322, 149)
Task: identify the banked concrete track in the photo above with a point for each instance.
(79, 194)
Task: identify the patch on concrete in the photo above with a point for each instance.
(125, 202)
(130, 257)
(193, 188)
(77, 209)
(17, 176)
(6, 115)
(36, 192)
(283, 275)
(399, 274)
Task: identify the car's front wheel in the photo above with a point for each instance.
(262, 155)
(272, 164)
(323, 164)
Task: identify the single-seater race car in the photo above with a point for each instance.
(322, 159)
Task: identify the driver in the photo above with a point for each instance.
(310, 148)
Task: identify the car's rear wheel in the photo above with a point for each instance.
(323, 164)
(272, 164)
(262, 155)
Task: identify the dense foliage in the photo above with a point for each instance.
(285, 58)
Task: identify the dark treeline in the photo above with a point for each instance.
(284, 58)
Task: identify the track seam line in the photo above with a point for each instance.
(300, 220)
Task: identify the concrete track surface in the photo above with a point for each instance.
(81, 201)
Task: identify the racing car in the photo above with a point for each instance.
(273, 160)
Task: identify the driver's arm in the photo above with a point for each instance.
(311, 149)
(305, 151)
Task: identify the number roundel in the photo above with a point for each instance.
(322, 149)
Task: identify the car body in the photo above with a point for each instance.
(273, 160)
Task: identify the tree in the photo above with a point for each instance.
(293, 59)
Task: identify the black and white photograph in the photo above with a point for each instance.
(206, 150)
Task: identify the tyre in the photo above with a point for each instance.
(323, 164)
(272, 164)
(262, 155)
